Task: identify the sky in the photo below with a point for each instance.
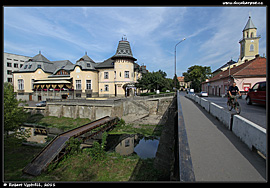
(66, 33)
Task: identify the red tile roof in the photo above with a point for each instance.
(181, 78)
(254, 67)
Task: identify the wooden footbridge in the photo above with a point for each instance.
(56, 149)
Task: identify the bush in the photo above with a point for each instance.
(73, 146)
(97, 152)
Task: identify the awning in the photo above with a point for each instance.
(52, 82)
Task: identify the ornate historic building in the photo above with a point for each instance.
(40, 78)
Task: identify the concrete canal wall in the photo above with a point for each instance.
(95, 109)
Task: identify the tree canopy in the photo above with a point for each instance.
(151, 81)
(197, 74)
(13, 115)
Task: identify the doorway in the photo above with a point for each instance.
(30, 97)
(64, 96)
(39, 98)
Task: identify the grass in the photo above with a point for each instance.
(82, 167)
(64, 123)
(15, 159)
(144, 129)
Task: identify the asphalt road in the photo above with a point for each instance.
(255, 112)
(217, 154)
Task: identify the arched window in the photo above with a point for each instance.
(251, 35)
(251, 48)
(247, 34)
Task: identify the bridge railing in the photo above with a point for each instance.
(186, 172)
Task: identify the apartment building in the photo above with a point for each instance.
(12, 62)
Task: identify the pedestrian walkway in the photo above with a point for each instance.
(216, 153)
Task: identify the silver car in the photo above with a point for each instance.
(40, 104)
(203, 94)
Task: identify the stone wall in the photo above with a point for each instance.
(165, 159)
(97, 109)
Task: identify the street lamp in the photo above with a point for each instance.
(175, 60)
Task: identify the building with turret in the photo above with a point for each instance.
(249, 44)
(249, 69)
(39, 78)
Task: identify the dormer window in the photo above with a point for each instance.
(88, 65)
(39, 66)
(25, 66)
(30, 66)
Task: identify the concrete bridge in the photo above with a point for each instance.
(200, 145)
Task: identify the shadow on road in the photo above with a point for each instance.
(253, 157)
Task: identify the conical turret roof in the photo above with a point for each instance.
(249, 24)
(124, 50)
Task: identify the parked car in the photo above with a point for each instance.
(257, 94)
(203, 94)
(40, 104)
(190, 91)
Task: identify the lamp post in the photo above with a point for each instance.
(175, 60)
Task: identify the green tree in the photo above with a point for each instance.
(14, 116)
(152, 81)
(176, 82)
(197, 74)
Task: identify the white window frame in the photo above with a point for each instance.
(106, 87)
(88, 84)
(78, 84)
(126, 74)
(106, 75)
(20, 84)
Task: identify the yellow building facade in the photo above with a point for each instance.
(249, 44)
(249, 47)
(40, 79)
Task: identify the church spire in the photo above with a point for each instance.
(249, 44)
(249, 24)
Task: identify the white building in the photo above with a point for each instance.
(12, 62)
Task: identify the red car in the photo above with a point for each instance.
(257, 94)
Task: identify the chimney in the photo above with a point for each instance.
(257, 56)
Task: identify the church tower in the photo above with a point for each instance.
(249, 44)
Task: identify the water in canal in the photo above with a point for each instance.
(127, 144)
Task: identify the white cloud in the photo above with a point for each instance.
(223, 44)
(212, 33)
